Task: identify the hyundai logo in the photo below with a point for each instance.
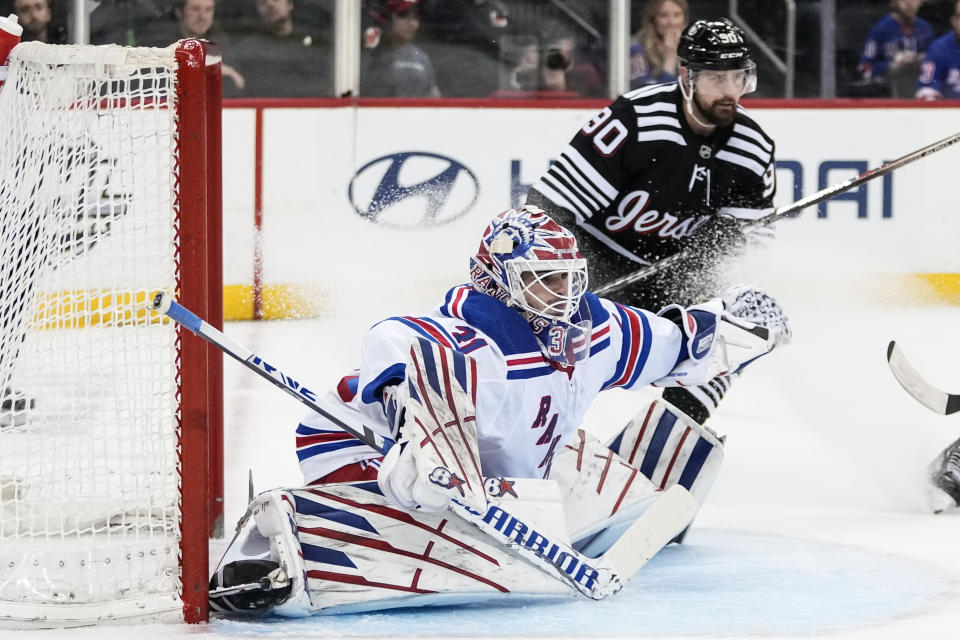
(413, 189)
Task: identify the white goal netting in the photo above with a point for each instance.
(89, 380)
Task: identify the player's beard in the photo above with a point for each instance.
(720, 111)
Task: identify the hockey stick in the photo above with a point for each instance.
(781, 212)
(596, 578)
(925, 393)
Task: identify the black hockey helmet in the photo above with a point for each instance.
(713, 44)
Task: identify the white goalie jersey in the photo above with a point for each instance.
(527, 407)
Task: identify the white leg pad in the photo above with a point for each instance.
(602, 493)
(275, 518)
(669, 447)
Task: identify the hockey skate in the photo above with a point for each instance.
(13, 407)
(248, 586)
(945, 477)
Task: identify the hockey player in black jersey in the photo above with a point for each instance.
(663, 168)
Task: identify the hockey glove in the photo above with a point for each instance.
(749, 303)
(404, 485)
(393, 409)
(715, 343)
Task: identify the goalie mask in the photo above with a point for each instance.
(532, 264)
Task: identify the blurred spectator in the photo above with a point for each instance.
(563, 71)
(937, 13)
(463, 38)
(553, 50)
(894, 48)
(122, 21)
(195, 19)
(278, 58)
(653, 54)
(37, 21)
(940, 72)
(393, 65)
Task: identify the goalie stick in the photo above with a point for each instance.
(790, 209)
(925, 393)
(596, 578)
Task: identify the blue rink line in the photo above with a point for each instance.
(718, 583)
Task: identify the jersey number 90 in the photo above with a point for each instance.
(608, 134)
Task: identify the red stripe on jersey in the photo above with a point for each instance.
(343, 388)
(599, 333)
(456, 306)
(432, 330)
(303, 441)
(636, 337)
(518, 361)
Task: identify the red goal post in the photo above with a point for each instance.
(111, 446)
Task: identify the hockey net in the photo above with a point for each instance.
(109, 165)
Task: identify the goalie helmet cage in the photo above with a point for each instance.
(110, 427)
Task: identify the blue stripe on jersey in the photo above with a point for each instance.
(697, 457)
(394, 374)
(525, 374)
(416, 327)
(311, 508)
(626, 347)
(644, 350)
(657, 442)
(324, 555)
(436, 325)
(304, 430)
(309, 452)
(600, 346)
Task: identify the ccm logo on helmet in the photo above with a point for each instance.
(413, 189)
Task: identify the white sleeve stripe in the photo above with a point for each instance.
(743, 161)
(590, 173)
(747, 132)
(668, 107)
(575, 180)
(743, 213)
(752, 149)
(578, 205)
(556, 198)
(560, 178)
(649, 90)
(657, 134)
(606, 240)
(658, 121)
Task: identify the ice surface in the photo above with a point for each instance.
(817, 525)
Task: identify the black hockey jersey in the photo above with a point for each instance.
(638, 181)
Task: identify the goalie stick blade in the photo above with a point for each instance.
(925, 393)
(653, 530)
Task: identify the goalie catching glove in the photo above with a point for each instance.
(724, 335)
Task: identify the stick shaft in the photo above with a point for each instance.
(265, 370)
(790, 209)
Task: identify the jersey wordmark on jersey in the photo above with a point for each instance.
(638, 179)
